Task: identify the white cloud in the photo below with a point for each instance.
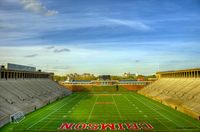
(130, 23)
(31, 56)
(37, 7)
(50, 47)
(99, 61)
(61, 50)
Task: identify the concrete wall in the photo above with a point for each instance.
(89, 87)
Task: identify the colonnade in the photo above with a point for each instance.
(180, 74)
(6, 74)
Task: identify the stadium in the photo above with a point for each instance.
(99, 65)
(32, 101)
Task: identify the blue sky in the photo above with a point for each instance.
(101, 36)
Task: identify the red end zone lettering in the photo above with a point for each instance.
(80, 126)
(106, 126)
(93, 127)
(110, 126)
(145, 126)
(134, 126)
(66, 126)
(120, 125)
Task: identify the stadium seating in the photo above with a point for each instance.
(27, 95)
(182, 94)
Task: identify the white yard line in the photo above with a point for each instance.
(117, 108)
(155, 111)
(92, 108)
(129, 101)
(155, 118)
(51, 120)
(41, 111)
(163, 123)
(52, 112)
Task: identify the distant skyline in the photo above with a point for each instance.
(101, 36)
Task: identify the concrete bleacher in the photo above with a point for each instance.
(182, 94)
(27, 95)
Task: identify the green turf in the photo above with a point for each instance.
(121, 107)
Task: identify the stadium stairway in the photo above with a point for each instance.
(182, 94)
(27, 95)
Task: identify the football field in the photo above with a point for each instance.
(122, 111)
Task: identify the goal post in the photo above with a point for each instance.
(17, 117)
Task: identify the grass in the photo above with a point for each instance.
(105, 107)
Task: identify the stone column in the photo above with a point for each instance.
(4, 76)
(8, 74)
(12, 74)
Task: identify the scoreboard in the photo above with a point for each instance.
(104, 77)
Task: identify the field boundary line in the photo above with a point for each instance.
(155, 111)
(155, 118)
(52, 112)
(51, 120)
(162, 123)
(173, 113)
(117, 108)
(92, 109)
(36, 114)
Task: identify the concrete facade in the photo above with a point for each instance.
(187, 73)
(14, 74)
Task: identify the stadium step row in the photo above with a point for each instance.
(181, 92)
(27, 95)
